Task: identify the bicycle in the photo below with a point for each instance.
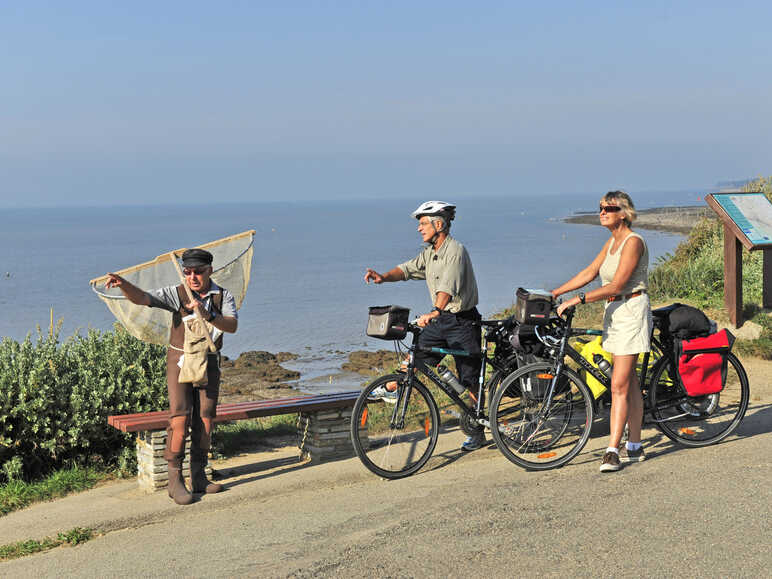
(542, 414)
(395, 441)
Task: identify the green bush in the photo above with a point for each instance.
(55, 398)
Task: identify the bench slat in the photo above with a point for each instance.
(165, 413)
(159, 420)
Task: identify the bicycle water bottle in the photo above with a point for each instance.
(450, 379)
(602, 364)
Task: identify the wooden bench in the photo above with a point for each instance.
(323, 430)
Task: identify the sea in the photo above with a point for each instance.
(307, 293)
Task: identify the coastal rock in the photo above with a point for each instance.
(256, 375)
(371, 363)
(254, 358)
(265, 365)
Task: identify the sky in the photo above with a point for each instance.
(105, 103)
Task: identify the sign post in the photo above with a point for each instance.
(747, 219)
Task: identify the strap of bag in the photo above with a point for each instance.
(217, 307)
(183, 311)
(217, 302)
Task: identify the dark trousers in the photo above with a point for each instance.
(195, 404)
(457, 332)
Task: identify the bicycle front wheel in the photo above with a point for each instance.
(534, 430)
(394, 440)
(698, 420)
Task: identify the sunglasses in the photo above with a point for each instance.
(609, 208)
(196, 271)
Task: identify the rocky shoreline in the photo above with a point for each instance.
(256, 375)
(259, 375)
(679, 220)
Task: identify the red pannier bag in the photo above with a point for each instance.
(702, 362)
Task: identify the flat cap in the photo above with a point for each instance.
(196, 257)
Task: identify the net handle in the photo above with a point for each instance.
(199, 317)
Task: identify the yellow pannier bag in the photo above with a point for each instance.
(595, 347)
(588, 351)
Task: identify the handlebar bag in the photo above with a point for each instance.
(532, 307)
(388, 322)
(702, 362)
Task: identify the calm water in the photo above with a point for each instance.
(306, 295)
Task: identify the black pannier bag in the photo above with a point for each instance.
(686, 322)
(388, 322)
(532, 307)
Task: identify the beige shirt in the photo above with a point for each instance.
(639, 279)
(447, 270)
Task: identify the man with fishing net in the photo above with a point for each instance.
(201, 312)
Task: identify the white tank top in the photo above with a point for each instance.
(639, 279)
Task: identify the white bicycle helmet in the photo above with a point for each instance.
(440, 208)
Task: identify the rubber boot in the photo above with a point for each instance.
(177, 489)
(199, 482)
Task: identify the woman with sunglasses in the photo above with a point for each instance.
(623, 268)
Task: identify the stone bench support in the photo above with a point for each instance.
(152, 471)
(325, 435)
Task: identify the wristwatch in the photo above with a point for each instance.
(581, 297)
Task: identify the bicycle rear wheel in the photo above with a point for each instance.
(537, 432)
(700, 420)
(395, 440)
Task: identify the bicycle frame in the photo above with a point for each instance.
(474, 413)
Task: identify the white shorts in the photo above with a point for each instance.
(627, 325)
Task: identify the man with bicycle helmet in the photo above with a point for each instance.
(445, 265)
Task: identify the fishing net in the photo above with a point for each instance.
(232, 265)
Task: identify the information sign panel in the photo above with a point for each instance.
(747, 219)
(751, 213)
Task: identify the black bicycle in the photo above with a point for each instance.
(395, 438)
(542, 414)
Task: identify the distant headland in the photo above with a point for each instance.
(670, 219)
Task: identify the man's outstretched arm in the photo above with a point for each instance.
(395, 274)
(134, 294)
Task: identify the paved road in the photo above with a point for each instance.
(682, 512)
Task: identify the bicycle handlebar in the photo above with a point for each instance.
(504, 323)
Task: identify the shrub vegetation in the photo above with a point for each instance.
(55, 398)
